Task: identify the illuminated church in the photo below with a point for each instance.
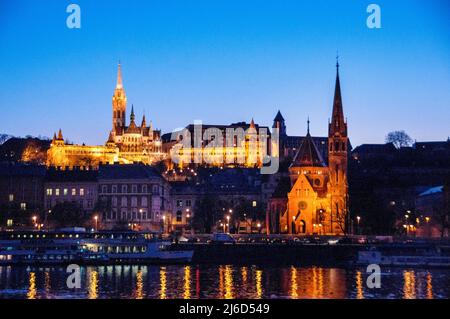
(136, 143)
(126, 143)
(318, 198)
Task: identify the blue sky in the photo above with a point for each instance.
(225, 61)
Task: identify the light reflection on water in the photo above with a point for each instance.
(222, 281)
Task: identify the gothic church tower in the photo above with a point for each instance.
(338, 160)
(119, 104)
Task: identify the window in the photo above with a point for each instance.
(124, 189)
(23, 206)
(144, 201)
(66, 191)
(124, 202)
(179, 203)
(144, 188)
(114, 201)
(114, 189)
(11, 197)
(134, 201)
(155, 189)
(254, 203)
(81, 191)
(49, 192)
(104, 189)
(179, 216)
(188, 203)
(134, 188)
(9, 223)
(74, 191)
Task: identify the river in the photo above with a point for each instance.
(221, 281)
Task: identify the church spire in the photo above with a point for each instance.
(144, 123)
(119, 76)
(337, 124)
(60, 136)
(308, 126)
(132, 113)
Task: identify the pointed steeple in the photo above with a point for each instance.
(132, 128)
(308, 154)
(60, 136)
(338, 124)
(132, 113)
(144, 123)
(119, 103)
(308, 127)
(119, 76)
(279, 117)
(54, 137)
(110, 139)
(252, 124)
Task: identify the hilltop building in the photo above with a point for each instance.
(126, 143)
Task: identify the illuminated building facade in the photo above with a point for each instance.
(126, 143)
(317, 201)
(236, 145)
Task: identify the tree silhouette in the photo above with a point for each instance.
(399, 139)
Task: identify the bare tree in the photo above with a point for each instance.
(399, 139)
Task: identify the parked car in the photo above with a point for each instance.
(223, 238)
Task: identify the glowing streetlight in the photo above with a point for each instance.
(96, 222)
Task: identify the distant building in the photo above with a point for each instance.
(239, 145)
(75, 186)
(133, 196)
(430, 216)
(21, 191)
(126, 143)
(318, 200)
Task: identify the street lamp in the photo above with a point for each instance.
(259, 227)
(96, 222)
(34, 218)
(228, 222)
(164, 223)
(358, 219)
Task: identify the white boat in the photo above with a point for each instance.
(88, 248)
(368, 257)
(145, 251)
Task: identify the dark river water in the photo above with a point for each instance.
(221, 281)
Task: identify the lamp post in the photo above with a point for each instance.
(228, 223)
(96, 222)
(188, 215)
(164, 223)
(34, 219)
(358, 219)
(259, 228)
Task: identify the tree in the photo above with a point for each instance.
(399, 139)
(205, 213)
(68, 214)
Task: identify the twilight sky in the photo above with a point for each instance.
(225, 61)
